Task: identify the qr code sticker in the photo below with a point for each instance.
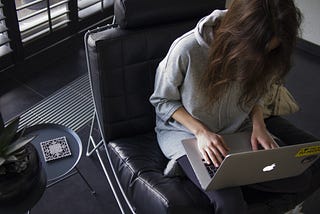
(55, 148)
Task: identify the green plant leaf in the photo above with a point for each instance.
(12, 158)
(19, 152)
(20, 133)
(18, 144)
(8, 133)
(2, 160)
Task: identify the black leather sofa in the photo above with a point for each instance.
(1, 121)
(122, 59)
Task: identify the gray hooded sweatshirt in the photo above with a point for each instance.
(177, 84)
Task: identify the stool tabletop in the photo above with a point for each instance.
(56, 168)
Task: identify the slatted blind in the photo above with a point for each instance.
(4, 39)
(41, 17)
(90, 7)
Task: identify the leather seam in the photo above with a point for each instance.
(138, 177)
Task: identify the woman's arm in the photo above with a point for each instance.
(211, 145)
(260, 134)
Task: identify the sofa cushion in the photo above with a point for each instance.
(139, 164)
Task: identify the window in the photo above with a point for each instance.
(38, 28)
(89, 7)
(4, 40)
(41, 17)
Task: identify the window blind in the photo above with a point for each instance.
(4, 39)
(90, 7)
(41, 17)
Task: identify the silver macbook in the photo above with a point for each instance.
(243, 166)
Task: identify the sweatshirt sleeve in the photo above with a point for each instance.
(169, 76)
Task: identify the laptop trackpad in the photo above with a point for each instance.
(239, 142)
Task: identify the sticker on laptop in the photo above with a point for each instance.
(307, 151)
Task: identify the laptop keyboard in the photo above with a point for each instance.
(211, 169)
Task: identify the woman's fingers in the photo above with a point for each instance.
(265, 144)
(222, 146)
(217, 150)
(254, 144)
(274, 145)
(205, 156)
(214, 156)
(212, 148)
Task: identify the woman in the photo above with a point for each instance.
(213, 78)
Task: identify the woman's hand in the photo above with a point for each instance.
(261, 136)
(212, 147)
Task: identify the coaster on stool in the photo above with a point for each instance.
(55, 148)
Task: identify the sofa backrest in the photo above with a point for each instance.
(123, 60)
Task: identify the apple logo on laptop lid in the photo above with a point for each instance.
(269, 168)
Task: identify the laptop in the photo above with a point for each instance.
(242, 166)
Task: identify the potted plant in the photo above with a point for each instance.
(19, 162)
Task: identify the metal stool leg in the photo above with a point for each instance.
(85, 180)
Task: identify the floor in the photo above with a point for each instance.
(18, 94)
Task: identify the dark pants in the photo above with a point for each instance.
(231, 200)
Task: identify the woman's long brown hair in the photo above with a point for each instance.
(240, 50)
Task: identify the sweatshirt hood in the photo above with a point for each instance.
(203, 30)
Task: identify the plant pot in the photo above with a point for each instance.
(15, 186)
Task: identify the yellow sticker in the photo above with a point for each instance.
(311, 150)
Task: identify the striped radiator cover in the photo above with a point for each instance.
(71, 106)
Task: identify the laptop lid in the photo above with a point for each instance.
(248, 167)
(237, 142)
